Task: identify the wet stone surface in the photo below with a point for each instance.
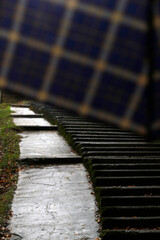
(54, 203)
(44, 144)
(31, 122)
(21, 111)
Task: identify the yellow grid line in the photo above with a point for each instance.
(57, 48)
(117, 17)
(60, 101)
(63, 102)
(122, 122)
(103, 13)
(107, 14)
(39, 45)
(136, 97)
(13, 37)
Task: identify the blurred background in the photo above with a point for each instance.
(96, 58)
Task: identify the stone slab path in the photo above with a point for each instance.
(52, 202)
(31, 122)
(21, 111)
(44, 144)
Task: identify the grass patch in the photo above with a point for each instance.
(9, 153)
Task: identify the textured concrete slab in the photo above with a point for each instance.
(31, 122)
(21, 111)
(54, 203)
(44, 144)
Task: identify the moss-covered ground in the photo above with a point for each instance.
(9, 154)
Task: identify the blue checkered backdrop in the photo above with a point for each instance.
(90, 56)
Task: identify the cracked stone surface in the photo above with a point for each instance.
(44, 144)
(54, 203)
(21, 111)
(31, 122)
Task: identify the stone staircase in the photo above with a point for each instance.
(125, 171)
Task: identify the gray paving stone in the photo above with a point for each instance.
(21, 111)
(44, 144)
(31, 122)
(51, 203)
(54, 203)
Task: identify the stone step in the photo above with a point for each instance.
(89, 136)
(97, 134)
(98, 129)
(21, 111)
(127, 172)
(129, 211)
(130, 201)
(66, 123)
(128, 190)
(116, 144)
(20, 105)
(65, 159)
(121, 148)
(38, 128)
(128, 181)
(108, 140)
(28, 116)
(62, 117)
(34, 124)
(42, 145)
(110, 153)
(122, 152)
(131, 234)
(127, 166)
(132, 222)
(123, 159)
(54, 203)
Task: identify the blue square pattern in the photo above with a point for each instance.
(28, 67)
(42, 21)
(7, 10)
(86, 35)
(137, 9)
(110, 4)
(115, 92)
(128, 49)
(71, 81)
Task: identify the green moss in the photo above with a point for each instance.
(9, 153)
(5, 204)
